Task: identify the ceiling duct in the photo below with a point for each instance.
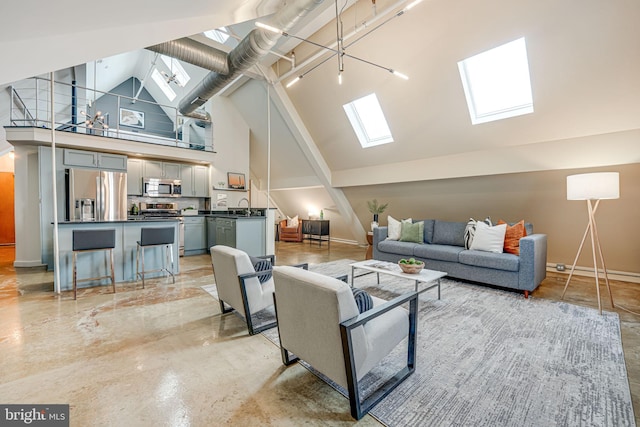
(195, 53)
(251, 49)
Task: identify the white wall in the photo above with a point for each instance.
(27, 207)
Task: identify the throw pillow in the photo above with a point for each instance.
(292, 222)
(512, 237)
(394, 227)
(363, 299)
(261, 264)
(489, 239)
(412, 232)
(470, 230)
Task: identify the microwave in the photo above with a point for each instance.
(156, 187)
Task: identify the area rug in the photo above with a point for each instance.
(487, 357)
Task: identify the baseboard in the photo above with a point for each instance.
(624, 276)
(348, 242)
(29, 264)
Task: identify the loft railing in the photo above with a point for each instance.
(88, 111)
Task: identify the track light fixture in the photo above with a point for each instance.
(340, 50)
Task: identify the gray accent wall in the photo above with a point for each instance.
(156, 120)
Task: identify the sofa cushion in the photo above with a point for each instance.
(428, 230)
(395, 227)
(489, 239)
(412, 232)
(395, 247)
(508, 262)
(512, 237)
(438, 252)
(448, 233)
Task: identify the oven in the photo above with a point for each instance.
(156, 187)
(165, 211)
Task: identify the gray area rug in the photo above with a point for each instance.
(487, 357)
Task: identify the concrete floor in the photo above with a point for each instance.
(165, 355)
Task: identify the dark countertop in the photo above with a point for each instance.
(119, 221)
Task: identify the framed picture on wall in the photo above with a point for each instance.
(131, 118)
(235, 180)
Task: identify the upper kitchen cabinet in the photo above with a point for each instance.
(134, 177)
(158, 169)
(195, 181)
(91, 159)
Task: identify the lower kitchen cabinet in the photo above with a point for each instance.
(244, 233)
(195, 235)
(211, 232)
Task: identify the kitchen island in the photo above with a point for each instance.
(95, 264)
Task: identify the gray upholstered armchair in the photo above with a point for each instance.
(319, 322)
(239, 285)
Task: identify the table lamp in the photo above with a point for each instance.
(593, 187)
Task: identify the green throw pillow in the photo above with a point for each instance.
(412, 232)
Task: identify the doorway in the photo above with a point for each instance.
(7, 209)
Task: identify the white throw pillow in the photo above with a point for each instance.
(292, 222)
(488, 239)
(394, 227)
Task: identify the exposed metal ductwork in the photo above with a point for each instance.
(250, 50)
(195, 53)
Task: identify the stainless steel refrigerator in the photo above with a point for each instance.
(96, 195)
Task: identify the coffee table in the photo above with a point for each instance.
(392, 269)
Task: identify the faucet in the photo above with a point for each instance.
(248, 205)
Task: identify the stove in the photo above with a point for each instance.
(165, 211)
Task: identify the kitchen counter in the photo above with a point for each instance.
(92, 264)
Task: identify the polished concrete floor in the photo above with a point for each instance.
(165, 355)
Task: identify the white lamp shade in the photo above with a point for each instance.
(593, 186)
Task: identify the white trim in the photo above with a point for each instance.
(624, 276)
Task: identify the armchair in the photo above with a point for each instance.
(239, 286)
(290, 234)
(319, 322)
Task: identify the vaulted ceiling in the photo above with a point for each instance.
(584, 57)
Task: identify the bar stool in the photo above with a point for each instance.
(92, 241)
(154, 237)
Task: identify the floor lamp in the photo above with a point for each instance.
(593, 187)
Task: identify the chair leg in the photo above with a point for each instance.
(142, 274)
(75, 275)
(173, 276)
(113, 274)
(137, 263)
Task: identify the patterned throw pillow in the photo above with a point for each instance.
(470, 230)
(512, 237)
(261, 264)
(363, 299)
(292, 222)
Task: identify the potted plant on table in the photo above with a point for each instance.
(376, 210)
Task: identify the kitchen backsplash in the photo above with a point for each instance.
(183, 202)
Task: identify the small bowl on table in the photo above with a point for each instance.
(411, 268)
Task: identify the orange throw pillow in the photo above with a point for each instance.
(512, 237)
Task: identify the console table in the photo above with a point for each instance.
(316, 229)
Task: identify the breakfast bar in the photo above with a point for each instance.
(96, 264)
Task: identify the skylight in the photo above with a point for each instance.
(220, 35)
(368, 121)
(497, 83)
(162, 83)
(181, 77)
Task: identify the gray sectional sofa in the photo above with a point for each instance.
(443, 250)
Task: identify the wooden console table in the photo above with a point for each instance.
(316, 229)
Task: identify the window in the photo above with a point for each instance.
(181, 77)
(368, 121)
(160, 81)
(220, 35)
(497, 83)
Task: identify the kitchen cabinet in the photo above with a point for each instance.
(91, 159)
(195, 181)
(134, 177)
(211, 232)
(160, 169)
(195, 235)
(244, 233)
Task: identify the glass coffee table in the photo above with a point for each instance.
(392, 269)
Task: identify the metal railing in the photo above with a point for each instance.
(88, 111)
